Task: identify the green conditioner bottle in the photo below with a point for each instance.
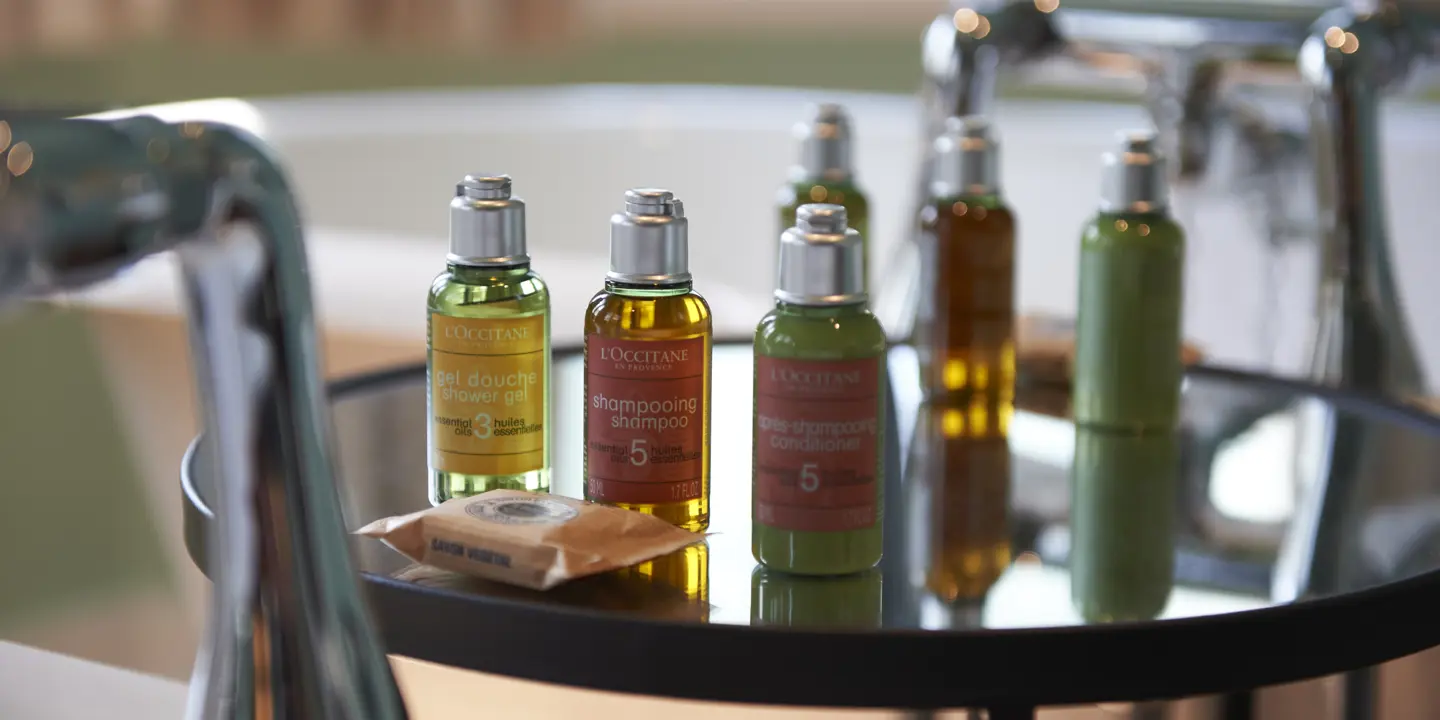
(819, 426)
(825, 173)
(1128, 325)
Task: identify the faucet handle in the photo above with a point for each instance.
(962, 49)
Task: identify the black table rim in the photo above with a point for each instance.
(907, 668)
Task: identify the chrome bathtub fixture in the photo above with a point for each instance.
(1193, 59)
(288, 635)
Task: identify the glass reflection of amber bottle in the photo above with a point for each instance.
(686, 570)
(960, 463)
(647, 370)
(965, 324)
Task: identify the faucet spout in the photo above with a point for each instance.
(1360, 338)
(288, 635)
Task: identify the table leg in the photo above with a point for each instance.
(1011, 713)
(933, 714)
(1360, 690)
(1238, 705)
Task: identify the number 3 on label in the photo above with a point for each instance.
(810, 477)
(482, 426)
(638, 454)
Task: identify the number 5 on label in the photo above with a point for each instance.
(810, 477)
(638, 454)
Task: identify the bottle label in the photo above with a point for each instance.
(645, 415)
(487, 394)
(817, 437)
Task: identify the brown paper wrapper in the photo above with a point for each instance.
(530, 540)
(615, 591)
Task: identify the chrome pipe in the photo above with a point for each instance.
(288, 635)
(1361, 339)
(1190, 54)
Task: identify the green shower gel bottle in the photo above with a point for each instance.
(1122, 524)
(1128, 325)
(488, 389)
(819, 430)
(825, 174)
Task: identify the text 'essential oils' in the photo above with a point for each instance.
(819, 432)
(489, 352)
(647, 370)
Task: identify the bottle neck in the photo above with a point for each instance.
(819, 311)
(830, 180)
(648, 289)
(991, 201)
(1156, 215)
(473, 273)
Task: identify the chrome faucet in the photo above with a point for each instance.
(1189, 54)
(288, 635)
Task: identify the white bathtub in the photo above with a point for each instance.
(374, 172)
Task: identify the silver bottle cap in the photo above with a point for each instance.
(487, 225)
(966, 158)
(649, 242)
(1134, 177)
(824, 145)
(822, 260)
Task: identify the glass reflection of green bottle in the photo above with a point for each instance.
(824, 173)
(842, 601)
(1128, 324)
(1122, 524)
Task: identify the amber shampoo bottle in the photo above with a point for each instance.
(965, 326)
(647, 370)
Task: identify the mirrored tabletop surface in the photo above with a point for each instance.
(1266, 495)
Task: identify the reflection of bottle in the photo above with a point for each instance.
(960, 462)
(647, 370)
(819, 427)
(825, 175)
(1122, 524)
(959, 614)
(671, 587)
(1127, 335)
(778, 598)
(686, 570)
(965, 325)
(489, 360)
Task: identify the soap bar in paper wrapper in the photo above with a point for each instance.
(530, 540)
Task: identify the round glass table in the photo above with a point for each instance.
(1284, 532)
